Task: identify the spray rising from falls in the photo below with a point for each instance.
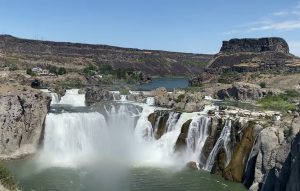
(222, 142)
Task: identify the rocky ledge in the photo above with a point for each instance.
(22, 115)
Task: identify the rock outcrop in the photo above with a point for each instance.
(255, 45)
(242, 91)
(22, 115)
(96, 94)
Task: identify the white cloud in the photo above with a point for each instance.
(283, 20)
(280, 13)
(294, 47)
(284, 25)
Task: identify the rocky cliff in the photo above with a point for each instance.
(264, 55)
(22, 115)
(247, 55)
(255, 45)
(27, 53)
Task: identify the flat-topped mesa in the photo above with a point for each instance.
(274, 44)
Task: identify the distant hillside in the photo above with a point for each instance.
(27, 53)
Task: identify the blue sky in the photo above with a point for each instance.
(197, 26)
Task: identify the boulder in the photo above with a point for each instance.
(96, 94)
(242, 91)
(192, 165)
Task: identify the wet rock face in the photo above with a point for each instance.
(255, 45)
(22, 116)
(96, 94)
(181, 141)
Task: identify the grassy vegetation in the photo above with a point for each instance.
(198, 84)
(6, 179)
(194, 63)
(282, 102)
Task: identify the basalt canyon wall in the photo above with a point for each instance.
(72, 56)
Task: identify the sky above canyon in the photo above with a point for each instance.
(197, 26)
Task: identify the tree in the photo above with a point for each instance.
(61, 71)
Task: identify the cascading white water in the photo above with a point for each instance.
(223, 141)
(197, 135)
(71, 138)
(150, 101)
(55, 98)
(123, 98)
(172, 120)
(72, 97)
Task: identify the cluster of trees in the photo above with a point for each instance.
(125, 74)
(56, 70)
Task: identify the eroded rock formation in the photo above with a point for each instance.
(22, 115)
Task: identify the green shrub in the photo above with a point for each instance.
(124, 91)
(90, 70)
(52, 69)
(61, 71)
(30, 72)
(263, 84)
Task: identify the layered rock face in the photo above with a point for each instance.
(255, 45)
(22, 115)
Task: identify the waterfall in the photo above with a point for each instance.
(197, 135)
(223, 141)
(72, 137)
(150, 101)
(72, 97)
(55, 98)
(172, 120)
(123, 98)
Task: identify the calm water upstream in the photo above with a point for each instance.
(169, 83)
